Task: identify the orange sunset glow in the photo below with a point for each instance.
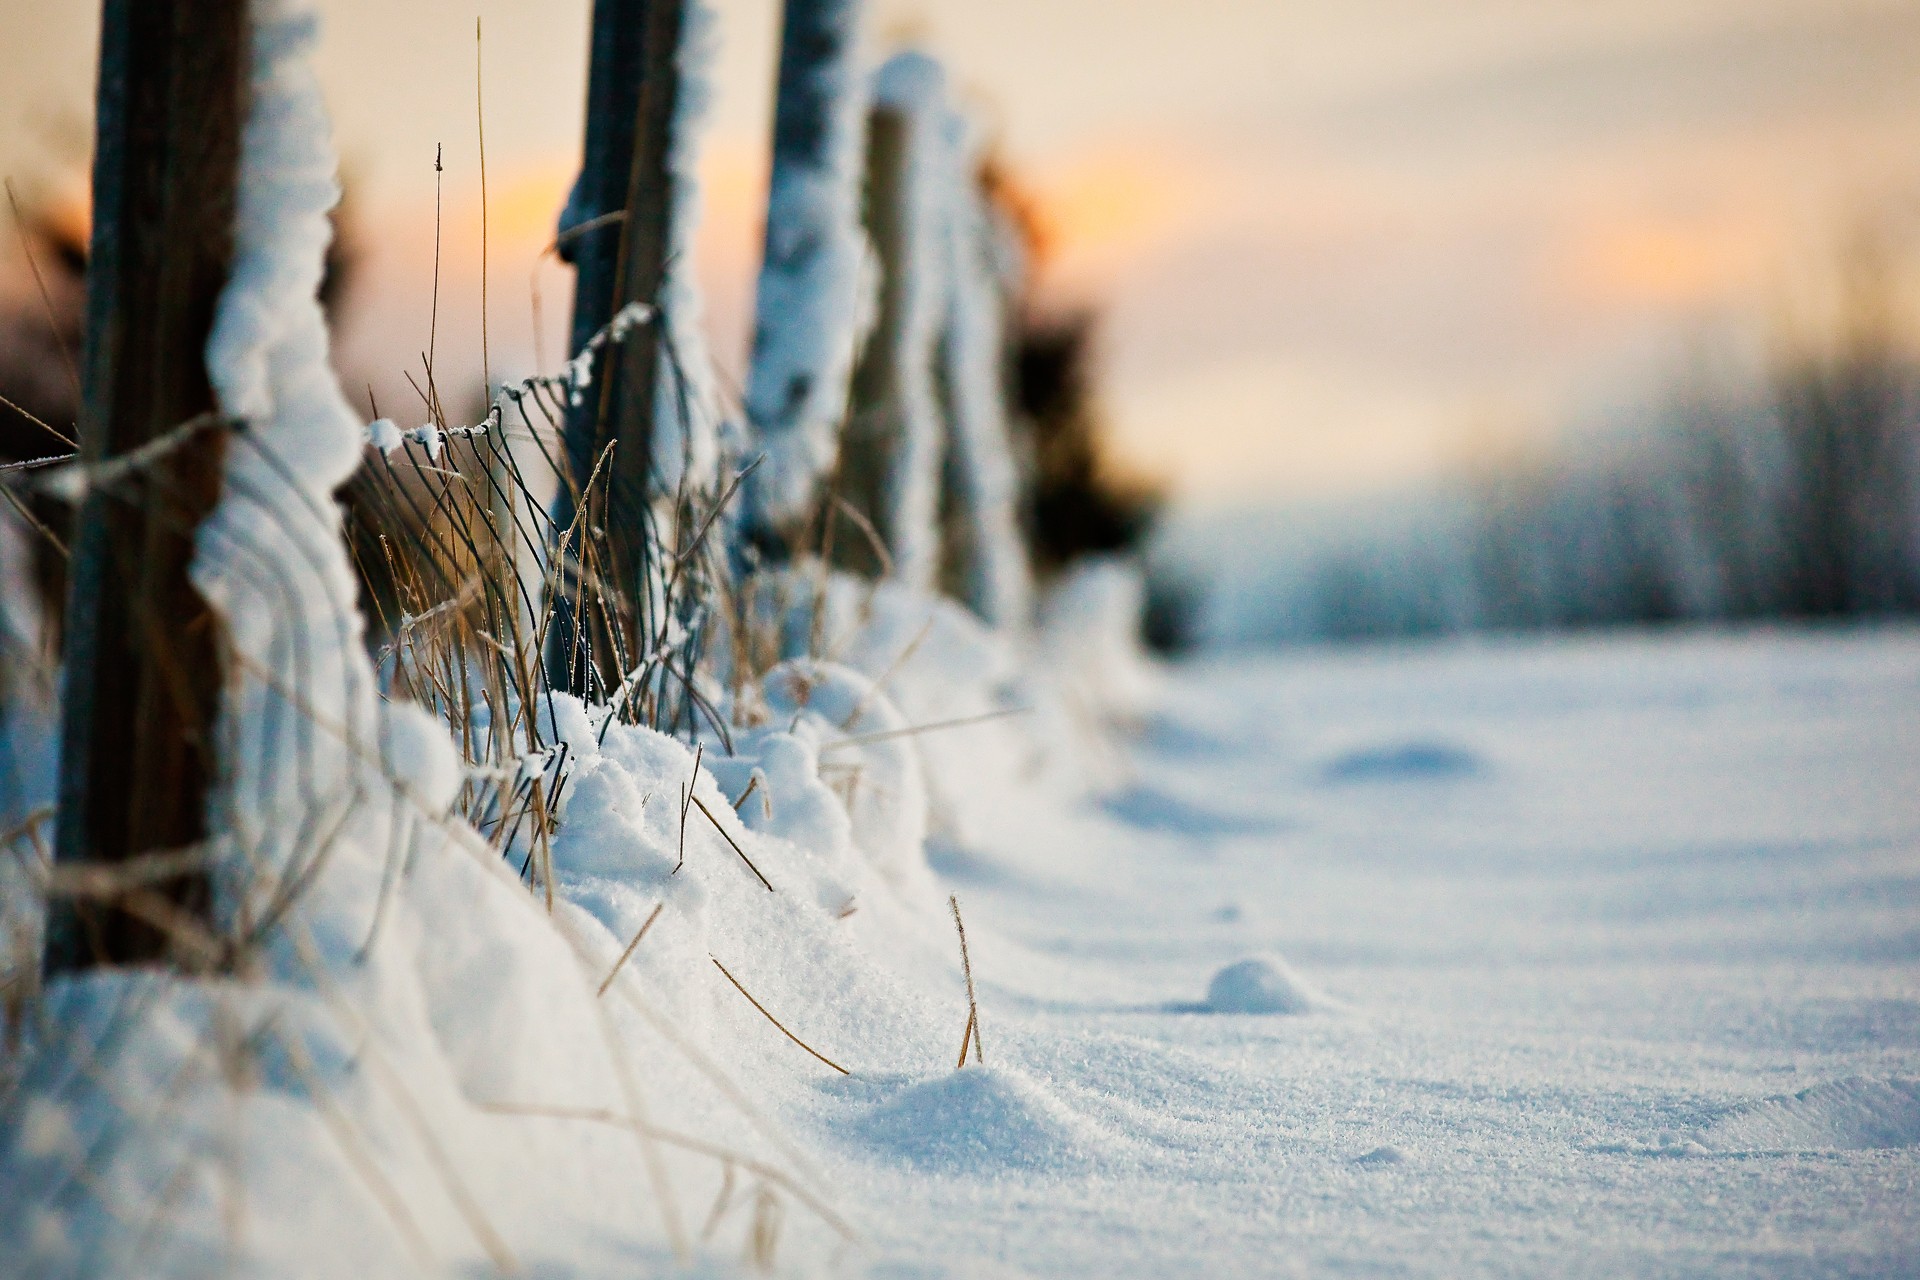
(1350, 230)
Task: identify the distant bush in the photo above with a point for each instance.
(1795, 495)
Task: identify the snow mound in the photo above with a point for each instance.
(1260, 984)
(1854, 1114)
(1414, 761)
(1380, 1156)
(977, 1119)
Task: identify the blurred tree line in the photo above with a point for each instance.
(1793, 494)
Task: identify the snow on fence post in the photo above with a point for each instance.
(989, 554)
(618, 230)
(142, 678)
(810, 276)
(890, 471)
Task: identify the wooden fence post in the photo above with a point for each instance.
(984, 560)
(809, 274)
(632, 88)
(142, 677)
(893, 446)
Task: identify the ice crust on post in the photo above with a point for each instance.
(813, 276)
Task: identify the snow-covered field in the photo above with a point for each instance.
(1610, 948)
(1594, 957)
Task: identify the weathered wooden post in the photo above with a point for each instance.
(142, 675)
(810, 272)
(894, 442)
(985, 561)
(617, 229)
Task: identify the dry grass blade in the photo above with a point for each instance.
(752, 783)
(973, 1007)
(900, 660)
(46, 298)
(686, 798)
(700, 804)
(775, 1021)
(631, 947)
(861, 739)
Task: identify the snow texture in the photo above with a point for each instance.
(814, 276)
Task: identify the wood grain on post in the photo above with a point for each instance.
(632, 89)
(142, 676)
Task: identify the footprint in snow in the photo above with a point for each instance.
(1415, 761)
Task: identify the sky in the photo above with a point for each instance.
(1336, 248)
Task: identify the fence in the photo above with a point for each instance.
(881, 448)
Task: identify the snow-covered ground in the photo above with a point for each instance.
(1610, 948)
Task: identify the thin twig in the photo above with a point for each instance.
(775, 1021)
(973, 1007)
(701, 806)
(615, 971)
(480, 124)
(46, 298)
(860, 739)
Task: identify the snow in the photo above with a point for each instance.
(303, 729)
(1635, 995)
(1259, 984)
(1668, 912)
